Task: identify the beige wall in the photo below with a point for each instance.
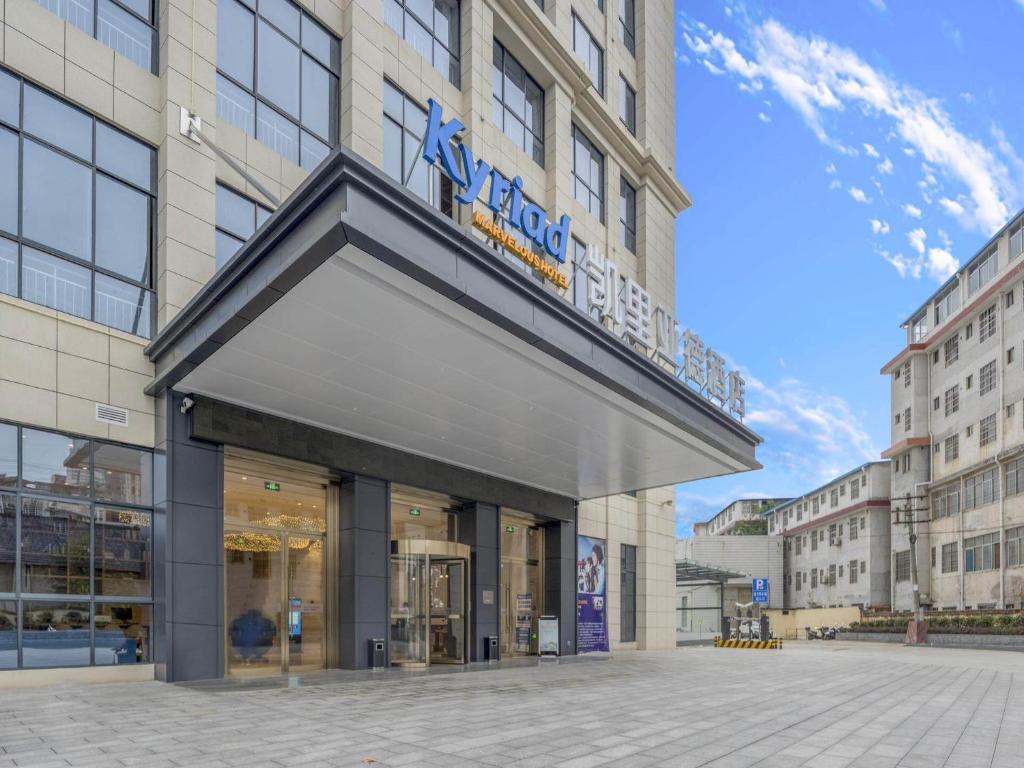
(790, 624)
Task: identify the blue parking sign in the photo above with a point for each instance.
(759, 591)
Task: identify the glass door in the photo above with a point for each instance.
(447, 611)
(253, 564)
(522, 584)
(306, 641)
(408, 609)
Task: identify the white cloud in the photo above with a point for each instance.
(879, 226)
(916, 238)
(904, 267)
(835, 184)
(713, 69)
(858, 194)
(885, 166)
(830, 168)
(912, 211)
(871, 151)
(952, 207)
(817, 77)
(881, 6)
(941, 265)
(967, 96)
(763, 117)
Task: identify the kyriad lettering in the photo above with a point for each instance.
(505, 197)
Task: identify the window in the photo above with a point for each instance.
(80, 213)
(1008, 299)
(627, 105)
(987, 430)
(518, 104)
(987, 323)
(1016, 238)
(842, 489)
(831, 575)
(935, 404)
(947, 303)
(949, 558)
(906, 462)
(832, 535)
(799, 547)
(238, 218)
(815, 506)
(902, 568)
(919, 327)
(277, 78)
(854, 490)
(587, 173)
(1015, 477)
(1009, 356)
(853, 529)
(969, 381)
(627, 599)
(627, 214)
(404, 124)
(981, 553)
(579, 274)
(127, 26)
(906, 374)
(81, 548)
(853, 571)
(906, 420)
(627, 24)
(981, 488)
(951, 349)
(987, 378)
(969, 330)
(952, 399)
(1014, 547)
(814, 541)
(946, 501)
(981, 272)
(1010, 410)
(814, 578)
(952, 448)
(586, 47)
(935, 357)
(799, 580)
(432, 28)
(833, 497)
(970, 428)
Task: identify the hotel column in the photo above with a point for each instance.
(478, 528)
(365, 539)
(560, 582)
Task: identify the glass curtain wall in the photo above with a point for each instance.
(522, 583)
(75, 550)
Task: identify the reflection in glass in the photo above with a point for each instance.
(312, 152)
(235, 105)
(8, 540)
(55, 634)
(54, 463)
(123, 633)
(235, 51)
(8, 182)
(522, 584)
(54, 547)
(56, 283)
(318, 102)
(123, 474)
(253, 590)
(126, 34)
(124, 156)
(8, 456)
(305, 602)
(277, 132)
(58, 123)
(277, 70)
(122, 546)
(235, 213)
(122, 229)
(56, 204)
(417, 514)
(408, 609)
(447, 612)
(225, 247)
(10, 99)
(8, 634)
(8, 267)
(123, 306)
(77, 12)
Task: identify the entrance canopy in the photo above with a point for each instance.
(359, 309)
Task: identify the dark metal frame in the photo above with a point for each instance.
(576, 20)
(154, 53)
(579, 135)
(504, 54)
(456, 56)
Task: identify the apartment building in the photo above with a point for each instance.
(282, 378)
(837, 541)
(958, 436)
(726, 521)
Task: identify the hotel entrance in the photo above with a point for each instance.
(275, 552)
(429, 578)
(522, 582)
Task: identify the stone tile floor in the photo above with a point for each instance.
(822, 705)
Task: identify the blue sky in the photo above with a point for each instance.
(843, 159)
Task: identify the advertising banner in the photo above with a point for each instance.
(591, 594)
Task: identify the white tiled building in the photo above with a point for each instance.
(725, 521)
(957, 435)
(837, 538)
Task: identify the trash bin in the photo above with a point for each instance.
(764, 628)
(547, 635)
(378, 656)
(491, 648)
(726, 629)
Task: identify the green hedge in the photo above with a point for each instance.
(949, 624)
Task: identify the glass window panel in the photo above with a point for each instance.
(313, 151)
(55, 283)
(235, 51)
(393, 15)
(123, 474)
(283, 15)
(122, 229)
(122, 545)
(57, 201)
(8, 456)
(8, 634)
(446, 23)
(8, 542)
(8, 181)
(236, 106)
(8, 267)
(278, 69)
(124, 156)
(424, 9)
(78, 12)
(393, 150)
(321, 44)
(123, 632)
(141, 7)
(54, 463)
(277, 132)
(123, 306)
(419, 37)
(393, 102)
(10, 99)
(262, 214)
(227, 246)
(55, 634)
(126, 34)
(235, 213)
(54, 546)
(58, 123)
(318, 102)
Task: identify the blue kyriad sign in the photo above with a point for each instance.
(759, 591)
(473, 174)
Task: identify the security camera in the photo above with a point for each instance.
(187, 404)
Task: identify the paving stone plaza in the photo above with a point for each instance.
(824, 705)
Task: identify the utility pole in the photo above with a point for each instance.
(917, 630)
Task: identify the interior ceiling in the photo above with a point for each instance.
(360, 348)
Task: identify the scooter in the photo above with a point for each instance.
(828, 633)
(812, 634)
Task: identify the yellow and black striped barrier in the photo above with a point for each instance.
(774, 644)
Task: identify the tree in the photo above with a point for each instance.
(757, 527)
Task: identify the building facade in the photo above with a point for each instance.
(280, 388)
(837, 541)
(725, 522)
(957, 436)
